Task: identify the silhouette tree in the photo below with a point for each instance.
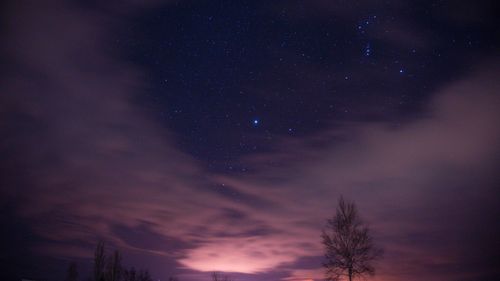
(349, 248)
(99, 262)
(144, 276)
(129, 274)
(114, 267)
(72, 273)
(133, 275)
(110, 268)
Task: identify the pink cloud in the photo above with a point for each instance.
(84, 159)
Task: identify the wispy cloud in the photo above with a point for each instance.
(86, 162)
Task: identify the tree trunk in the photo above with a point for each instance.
(350, 274)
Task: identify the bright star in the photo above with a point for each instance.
(368, 50)
(255, 122)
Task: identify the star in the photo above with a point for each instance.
(255, 122)
(368, 50)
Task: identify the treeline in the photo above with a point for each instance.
(349, 252)
(109, 268)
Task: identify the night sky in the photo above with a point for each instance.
(199, 136)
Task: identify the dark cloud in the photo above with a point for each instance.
(84, 158)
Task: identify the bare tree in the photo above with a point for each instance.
(130, 275)
(72, 273)
(99, 262)
(114, 267)
(144, 276)
(349, 248)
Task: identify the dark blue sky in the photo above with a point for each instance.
(217, 135)
(214, 67)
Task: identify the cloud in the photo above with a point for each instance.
(84, 162)
(421, 185)
(82, 157)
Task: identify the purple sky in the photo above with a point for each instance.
(84, 160)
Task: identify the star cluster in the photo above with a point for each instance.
(214, 67)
